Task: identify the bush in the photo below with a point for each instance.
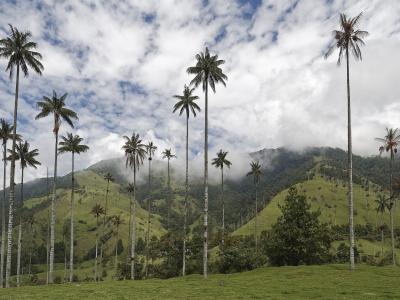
(57, 279)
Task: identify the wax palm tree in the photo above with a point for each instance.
(27, 158)
(116, 221)
(132, 221)
(151, 149)
(207, 72)
(96, 211)
(31, 221)
(135, 152)
(167, 154)
(348, 38)
(389, 144)
(20, 51)
(6, 133)
(219, 162)
(381, 206)
(55, 106)
(72, 143)
(256, 173)
(186, 104)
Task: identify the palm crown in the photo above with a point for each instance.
(19, 50)
(167, 153)
(56, 106)
(220, 161)
(6, 131)
(135, 151)
(390, 141)
(381, 204)
(108, 177)
(151, 149)
(255, 171)
(130, 187)
(26, 156)
(348, 38)
(97, 210)
(186, 102)
(207, 71)
(72, 143)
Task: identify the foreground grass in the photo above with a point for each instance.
(305, 282)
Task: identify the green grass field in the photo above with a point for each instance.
(304, 282)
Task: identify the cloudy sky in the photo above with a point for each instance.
(121, 61)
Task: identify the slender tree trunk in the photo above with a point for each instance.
(133, 236)
(65, 258)
(186, 197)
(12, 186)
(3, 215)
(392, 203)
(169, 197)
(71, 253)
(382, 238)
(350, 167)
(129, 230)
(20, 230)
(148, 223)
(104, 229)
(95, 260)
(223, 207)
(116, 253)
(53, 210)
(205, 241)
(48, 249)
(256, 223)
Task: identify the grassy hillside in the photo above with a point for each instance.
(303, 282)
(330, 197)
(91, 190)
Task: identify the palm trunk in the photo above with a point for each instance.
(104, 228)
(65, 258)
(256, 223)
(133, 236)
(3, 215)
(148, 223)
(392, 207)
(116, 253)
(53, 212)
(169, 197)
(95, 261)
(12, 187)
(205, 241)
(350, 167)
(47, 248)
(223, 207)
(20, 229)
(129, 229)
(71, 253)
(382, 238)
(186, 197)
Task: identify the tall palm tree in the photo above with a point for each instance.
(186, 103)
(256, 173)
(27, 158)
(19, 50)
(348, 38)
(151, 149)
(167, 154)
(72, 143)
(389, 144)
(135, 152)
(219, 162)
(6, 133)
(55, 106)
(132, 222)
(96, 211)
(107, 177)
(31, 221)
(116, 221)
(381, 205)
(207, 72)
